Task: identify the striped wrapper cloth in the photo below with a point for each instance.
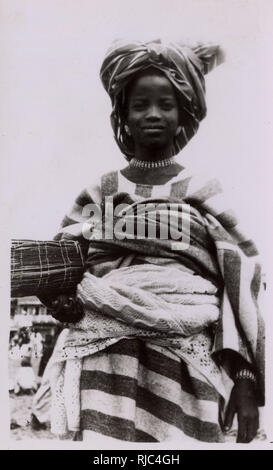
(45, 267)
(133, 389)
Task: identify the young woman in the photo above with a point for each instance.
(163, 343)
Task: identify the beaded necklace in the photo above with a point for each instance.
(147, 164)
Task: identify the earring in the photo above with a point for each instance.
(127, 130)
(178, 130)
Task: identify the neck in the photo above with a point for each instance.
(152, 155)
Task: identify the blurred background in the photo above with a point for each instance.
(32, 337)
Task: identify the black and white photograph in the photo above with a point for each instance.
(135, 188)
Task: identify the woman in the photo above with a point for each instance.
(164, 340)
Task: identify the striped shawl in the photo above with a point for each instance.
(233, 259)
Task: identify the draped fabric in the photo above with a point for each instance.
(135, 391)
(183, 65)
(140, 391)
(218, 252)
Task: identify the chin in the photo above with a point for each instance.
(155, 144)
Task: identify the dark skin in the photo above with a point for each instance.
(153, 121)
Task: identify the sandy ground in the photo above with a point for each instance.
(20, 411)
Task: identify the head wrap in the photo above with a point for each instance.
(183, 65)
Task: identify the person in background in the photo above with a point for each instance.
(25, 381)
(37, 343)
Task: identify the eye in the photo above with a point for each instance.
(139, 105)
(167, 105)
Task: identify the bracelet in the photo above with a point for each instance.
(245, 374)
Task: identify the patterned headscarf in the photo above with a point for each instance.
(184, 66)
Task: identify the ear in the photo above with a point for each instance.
(127, 130)
(178, 130)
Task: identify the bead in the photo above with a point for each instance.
(143, 164)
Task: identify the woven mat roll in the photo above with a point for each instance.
(45, 267)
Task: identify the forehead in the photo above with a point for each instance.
(151, 84)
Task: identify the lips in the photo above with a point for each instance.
(148, 128)
(153, 129)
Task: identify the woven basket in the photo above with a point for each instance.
(45, 267)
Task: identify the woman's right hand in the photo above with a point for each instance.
(243, 401)
(64, 308)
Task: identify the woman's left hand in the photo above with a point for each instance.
(243, 402)
(67, 309)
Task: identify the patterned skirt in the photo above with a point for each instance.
(140, 392)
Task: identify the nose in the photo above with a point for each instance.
(153, 113)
